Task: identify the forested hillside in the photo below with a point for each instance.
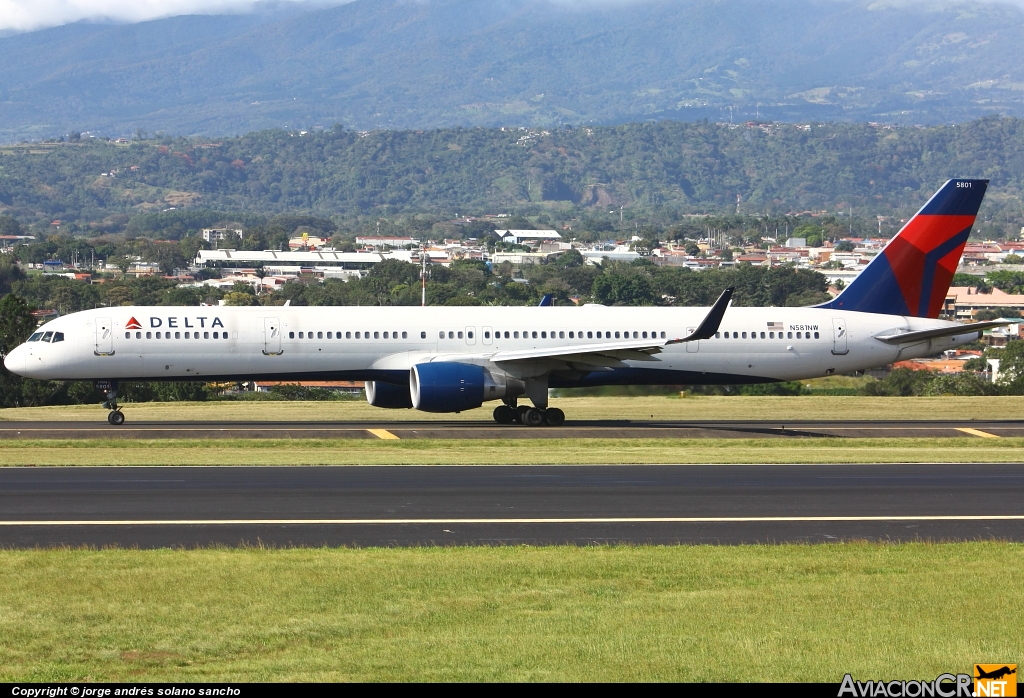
(656, 172)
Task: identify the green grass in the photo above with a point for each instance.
(753, 613)
(578, 408)
(227, 452)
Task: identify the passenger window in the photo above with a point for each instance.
(328, 335)
(645, 335)
(543, 335)
(762, 335)
(506, 334)
(302, 335)
(535, 334)
(771, 335)
(423, 335)
(405, 335)
(177, 335)
(214, 335)
(127, 335)
(224, 335)
(744, 335)
(460, 334)
(663, 335)
(561, 335)
(385, 335)
(816, 336)
(451, 335)
(319, 335)
(571, 334)
(516, 334)
(789, 335)
(469, 334)
(35, 337)
(718, 335)
(636, 335)
(590, 335)
(206, 335)
(186, 335)
(487, 335)
(376, 335)
(799, 335)
(149, 335)
(291, 335)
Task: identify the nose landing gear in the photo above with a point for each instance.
(115, 417)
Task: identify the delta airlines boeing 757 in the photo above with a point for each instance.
(450, 359)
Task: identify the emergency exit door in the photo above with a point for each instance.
(104, 337)
(839, 337)
(272, 336)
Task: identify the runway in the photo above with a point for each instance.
(150, 507)
(489, 430)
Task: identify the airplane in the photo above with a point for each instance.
(453, 359)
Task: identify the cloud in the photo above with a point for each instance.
(26, 15)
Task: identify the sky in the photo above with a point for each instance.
(27, 15)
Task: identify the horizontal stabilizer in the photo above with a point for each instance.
(950, 331)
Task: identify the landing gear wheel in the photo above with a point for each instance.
(116, 418)
(503, 414)
(554, 417)
(534, 417)
(521, 413)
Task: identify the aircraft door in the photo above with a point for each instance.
(104, 337)
(486, 339)
(694, 346)
(839, 347)
(272, 336)
(470, 335)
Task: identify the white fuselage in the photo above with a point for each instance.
(383, 343)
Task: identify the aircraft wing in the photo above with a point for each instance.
(613, 353)
(950, 331)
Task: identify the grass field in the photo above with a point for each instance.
(228, 452)
(577, 408)
(755, 613)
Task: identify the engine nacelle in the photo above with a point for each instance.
(446, 386)
(388, 395)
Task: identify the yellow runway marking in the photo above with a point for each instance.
(382, 434)
(978, 432)
(406, 522)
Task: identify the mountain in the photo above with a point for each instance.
(659, 170)
(373, 64)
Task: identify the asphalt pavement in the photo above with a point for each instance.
(489, 430)
(150, 507)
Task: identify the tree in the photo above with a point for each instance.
(16, 324)
(844, 246)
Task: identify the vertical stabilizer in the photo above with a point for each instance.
(912, 274)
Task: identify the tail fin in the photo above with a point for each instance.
(912, 274)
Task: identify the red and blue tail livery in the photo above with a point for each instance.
(912, 274)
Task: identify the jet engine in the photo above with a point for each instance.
(446, 386)
(388, 395)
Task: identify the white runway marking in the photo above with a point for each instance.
(406, 522)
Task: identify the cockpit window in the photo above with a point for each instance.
(35, 337)
(58, 337)
(46, 336)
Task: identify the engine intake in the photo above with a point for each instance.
(446, 386)
(388, 395)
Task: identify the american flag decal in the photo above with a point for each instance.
(775, 326)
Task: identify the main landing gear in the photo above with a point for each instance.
(530, 416)
(115, 417)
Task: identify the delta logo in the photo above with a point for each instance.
(133, 324)
(995, 680)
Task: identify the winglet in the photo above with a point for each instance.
(547, 300)
(712, 321)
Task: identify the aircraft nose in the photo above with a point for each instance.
(15, 361)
